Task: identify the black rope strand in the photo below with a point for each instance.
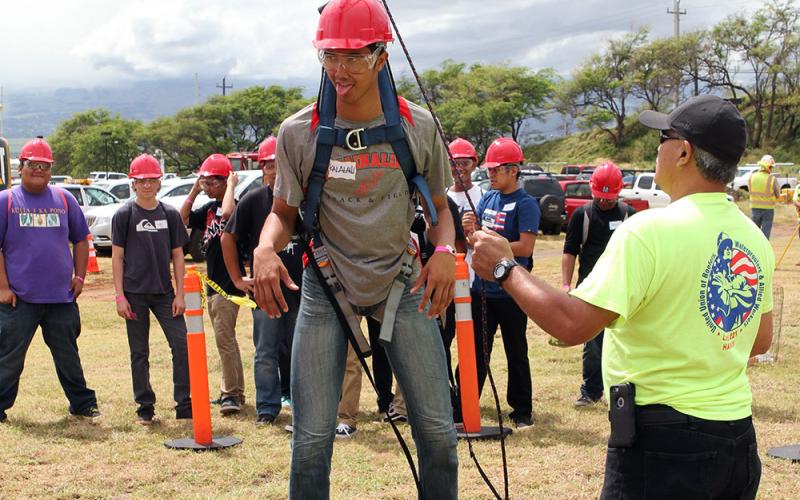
(460, 180)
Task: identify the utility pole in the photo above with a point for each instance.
(677, 13)
(224, 86)
(196, 90)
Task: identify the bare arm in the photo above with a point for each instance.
(268, 270)
(563, 316)
(764, 335)
(524, 247)
(229, 200)
(438, 275)
(6, 295)
(186, 208)
(118, 272)
(230, 254)
(80, 258)
(179, 270)
(567, 270)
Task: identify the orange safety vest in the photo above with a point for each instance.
(762, 190)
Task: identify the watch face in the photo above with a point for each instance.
(499, 271)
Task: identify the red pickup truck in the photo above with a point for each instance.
(577, 193)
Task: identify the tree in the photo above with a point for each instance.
(482, 102)
(603, 85)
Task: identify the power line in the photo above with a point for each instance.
(224, 87)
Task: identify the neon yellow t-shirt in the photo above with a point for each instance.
(690, 283)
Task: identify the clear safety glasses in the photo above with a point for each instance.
(352, 63)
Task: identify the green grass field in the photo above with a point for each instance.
(48, 454)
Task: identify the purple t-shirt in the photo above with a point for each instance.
(34, 236)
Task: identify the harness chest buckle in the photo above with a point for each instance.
(354, 140)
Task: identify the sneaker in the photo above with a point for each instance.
(229, 406)
(345, 431)
(3, 417)
(183, 413)
(91, 412)
(394, 416)
(557, 343)
(286, 402)
(217, 401)
(585, 401)
(144, 419)
(265, 419)
(522, 422)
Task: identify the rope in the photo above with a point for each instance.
(460, 180)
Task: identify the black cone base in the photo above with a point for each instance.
(786, 452)
(486, 432)
(217, 443)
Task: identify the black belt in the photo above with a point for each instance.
(665, 415)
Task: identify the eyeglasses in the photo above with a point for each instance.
(463, 162)
(664, 137)
(45, 167)
(352, 63)
(212, 179)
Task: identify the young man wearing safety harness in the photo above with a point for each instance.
(211, 219)
(588, 232)
(366, 139)
(148, 236)
(269, 334)
(515, 215)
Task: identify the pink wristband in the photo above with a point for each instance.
(445, 249)
(120, 298)
(79, 278)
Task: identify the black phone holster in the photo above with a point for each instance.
(622, 415)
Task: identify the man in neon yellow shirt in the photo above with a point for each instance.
(764, 193)
(685, 295)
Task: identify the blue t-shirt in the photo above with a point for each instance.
(35, 233)
(508, 215)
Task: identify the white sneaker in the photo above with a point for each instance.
(345, 431)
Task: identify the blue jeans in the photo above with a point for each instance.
(61, 325)
(267, 338)
(592, 386)
(417, 358)
(763, 219)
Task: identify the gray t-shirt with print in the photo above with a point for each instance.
(365, 211)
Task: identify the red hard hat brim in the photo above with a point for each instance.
(464, 155)
(344, 43)
(145, 176)
(39, 158)
(611, 195)
(267, 158)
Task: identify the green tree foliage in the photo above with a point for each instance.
(482, 102)
(79, 146)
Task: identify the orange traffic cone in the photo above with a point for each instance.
(467, 369)
(94, 267)
(198, 372)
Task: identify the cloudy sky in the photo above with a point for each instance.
(88, 43)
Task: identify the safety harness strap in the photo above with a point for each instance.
(396, 293)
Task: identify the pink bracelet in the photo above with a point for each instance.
(78, 278)
(121, 298)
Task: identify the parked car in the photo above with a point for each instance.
(103, 176)
(645, 188)
(120, 188)
(89, 196)
(571, 172)
(546, 190)
(743, 178)
(60, 179)
(578, 193)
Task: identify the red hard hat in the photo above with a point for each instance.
(145, 167)
(462, 148)
(266, 150)
(36, 150)
(606, 181)
(352, 24)
(501, 151)
(216, 165)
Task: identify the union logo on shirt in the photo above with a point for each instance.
(731, 288)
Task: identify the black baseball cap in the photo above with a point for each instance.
(707, 121)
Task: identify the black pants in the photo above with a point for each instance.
(381, 369)
(139, 343)
(592, 386)
(691, 459)
(61, 325)
(513, 323)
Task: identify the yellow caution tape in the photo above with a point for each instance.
(236, 299)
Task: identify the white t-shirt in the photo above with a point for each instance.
(460, 197)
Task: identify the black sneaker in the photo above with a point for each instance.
(183, 413)
(229, 406)
(144, 419)
(394, 416)
(265, 419)
(91, 412)
(344, 431)
(585, 401)
(3, 417)
(522, 422)
(217, 401)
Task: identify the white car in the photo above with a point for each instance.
(744, 172)
(103, 176)
(89, 196)
(645, 188)
(120, 188)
